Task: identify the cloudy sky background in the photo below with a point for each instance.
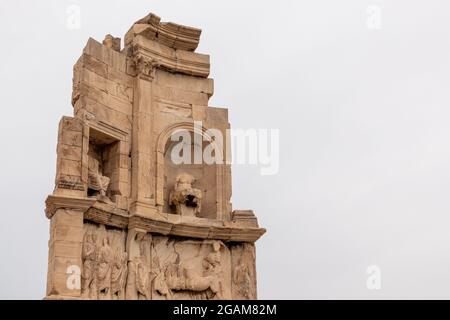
(363, 114)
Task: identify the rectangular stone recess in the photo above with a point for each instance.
(126, 221)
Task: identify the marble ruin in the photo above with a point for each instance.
(126, 222)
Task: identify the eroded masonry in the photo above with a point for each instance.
(126, 221)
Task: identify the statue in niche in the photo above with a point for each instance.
(119, 274)
(103, 272)
(185, 197)
(96, 181)
(88, 287)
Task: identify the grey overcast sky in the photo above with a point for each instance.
(363, 111)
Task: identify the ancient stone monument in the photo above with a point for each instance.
(127, 222)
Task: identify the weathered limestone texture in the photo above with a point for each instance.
(126, 221)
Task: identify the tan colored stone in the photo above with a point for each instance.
(68, 217)
(133, 222)
(62, 264)
(120, 78)
(68, 233)
(167, 33)
(180, 95)
(88, 62)
(112, 42)
(69, 167)
(92, 79)
(199, 112)
(69, 152)
(121, 201)
(69, 249)
(243, 271)
(105, 114)
(60, 287)
(189, 63)
(185, 82)
(97, 50)
(106, 98)
(118, 61)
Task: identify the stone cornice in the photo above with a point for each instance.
(54, 203)
(170, 34)
(107, 215)
(201, 230)
(173, 225)
(181, 61)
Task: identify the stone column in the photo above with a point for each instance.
(142, 187)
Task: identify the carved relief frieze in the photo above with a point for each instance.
(187, 269)
(243, 271)
(104, 267)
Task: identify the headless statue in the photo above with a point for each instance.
(184, 197)
(97, 181)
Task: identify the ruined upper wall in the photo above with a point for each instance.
(170, 34)
(169, 45)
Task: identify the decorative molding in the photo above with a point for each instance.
(196, 228)
(65, 181)
(145, 67)
(105, 128)
(53, 203)
(107, 215)
(185, 62)
(170, 34)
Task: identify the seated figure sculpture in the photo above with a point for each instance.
(184, 197)
(97, 182)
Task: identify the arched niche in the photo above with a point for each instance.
(209, 177)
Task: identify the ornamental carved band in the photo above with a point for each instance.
(126, 222)
(145, 67)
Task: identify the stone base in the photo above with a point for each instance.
(104, 253)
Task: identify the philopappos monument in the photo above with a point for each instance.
(128, 219)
